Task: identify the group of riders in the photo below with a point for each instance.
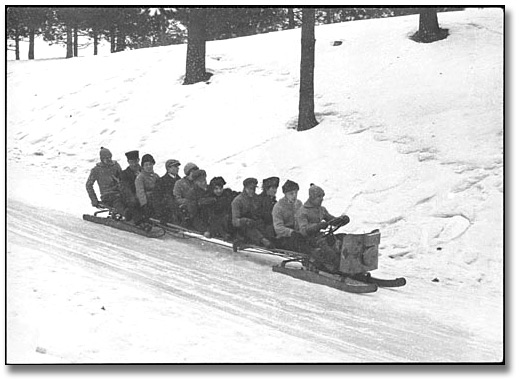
(138, 194)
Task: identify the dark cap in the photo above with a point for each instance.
(270, 182)
(217, 181)
(132, 155)
(147, 158)
(198, 173)
(290, 186)
(250, 182)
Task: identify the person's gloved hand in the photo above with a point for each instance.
(345, 219)
(95, 203)
(296, 235)
(323, 225)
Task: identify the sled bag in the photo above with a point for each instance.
(359, 252)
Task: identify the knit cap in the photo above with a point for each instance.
(105, 153)
(315, 191)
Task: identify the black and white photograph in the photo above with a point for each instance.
(255, 185)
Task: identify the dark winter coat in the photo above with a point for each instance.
(163, 191)
(144, 185)
(309, 216)
(127, 185)
(218, 213)
(266, 208)
(107, 177)
(222, 205)
(284, 214)
(244, 208)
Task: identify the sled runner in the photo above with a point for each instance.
(114, 220)
(359, 253)
(180, 231)
(359, 256)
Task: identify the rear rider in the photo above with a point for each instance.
(107, 174)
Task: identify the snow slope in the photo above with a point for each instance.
(410, 141)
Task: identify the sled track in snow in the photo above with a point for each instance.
(369, 328)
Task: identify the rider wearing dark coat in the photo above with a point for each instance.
(246, 217)
(144, 186)
(164, 202)
(127, 184)
(267, 200)
(218, 213)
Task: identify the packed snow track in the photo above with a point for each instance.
(386, 326)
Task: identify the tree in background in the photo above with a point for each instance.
(306, 117)
(67, 20)
(23, 22)
(95, 23)
(290, 17)
(196, 50)
(429, 30)
(15, 27)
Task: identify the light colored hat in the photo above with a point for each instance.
(315, 191)
(189, 167)
(172, 162)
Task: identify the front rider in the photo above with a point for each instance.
(310, 220)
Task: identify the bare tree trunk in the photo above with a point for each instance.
(428, 22)
(160, 33)
(429, 30)
(196, 50)
(290, 16)
(306, 117)
(75, 41)
(121, 41)
(330, 14)
(95, 33)
(112, 39)
(31, 43)
(69, 42)
(17, 45)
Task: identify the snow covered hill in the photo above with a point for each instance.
(410, 141)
